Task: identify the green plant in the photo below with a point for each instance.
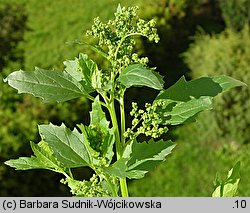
(228, 187)
(112, 151)
(22, 29)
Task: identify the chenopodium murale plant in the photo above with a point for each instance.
(110, 149)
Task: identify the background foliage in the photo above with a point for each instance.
(236, 13)
(40, 33)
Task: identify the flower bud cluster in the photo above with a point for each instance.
(117, 34)
(91, 188)
(96, 138)
(149, 119)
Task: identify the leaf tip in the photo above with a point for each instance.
(5, 79)
(9, 163)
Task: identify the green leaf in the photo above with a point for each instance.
(43, 159)
(184, 90)
(99, 131)
(228, 187)
(227, 82)
(234, 173)
(217, 192)
(45, 155)
(70, 147)
(25, 163)
(140, 158)
(184, 100)
(88, 68)
(118, 169)
(231, 189)
(50, 85)
(73, 69)
(136, 174)
(159, 77)
(231, 185)
(97, 116)
(145, 156)
(175, 113)
(84, 69)
(138, 75)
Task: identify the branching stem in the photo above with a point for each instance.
(123, 39)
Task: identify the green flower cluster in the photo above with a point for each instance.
(117, 36)
(91, 188)
(150, 121)
(95, 137)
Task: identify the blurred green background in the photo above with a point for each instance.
(198, 38)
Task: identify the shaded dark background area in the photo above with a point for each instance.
(198, 38)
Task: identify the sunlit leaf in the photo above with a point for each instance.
(185, 99)
(43, 159)
(52, 86)
(69, 147)
(99, 131)
(140, 158)
(138, 75)
(228, 187)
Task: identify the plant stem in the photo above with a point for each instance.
(124, 187)
(93, 99)
(118, 140)
(116, 130)
(111, 185)
(122, 40)
(123, 123)
(119, 148)
(70, 173)
(123, 182)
